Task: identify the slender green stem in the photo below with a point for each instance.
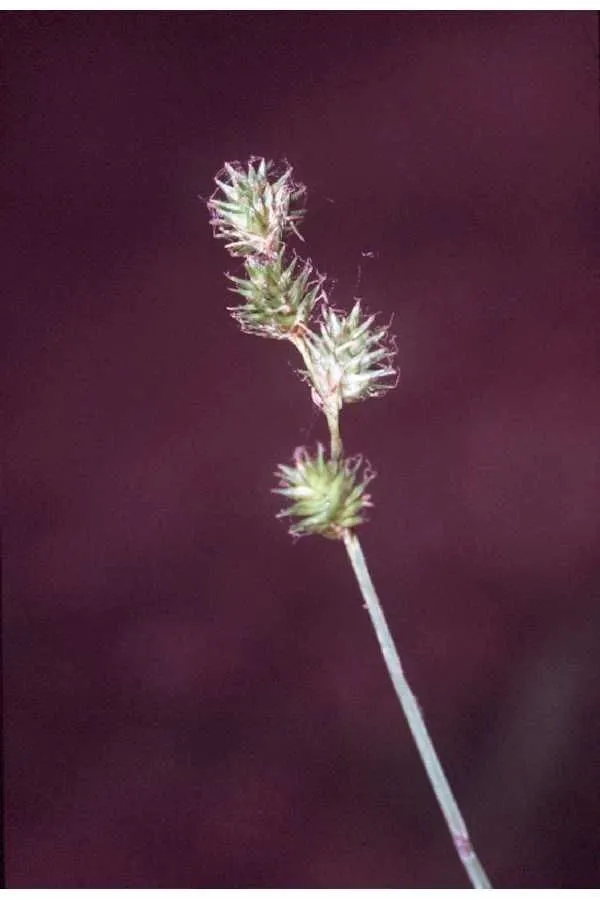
(333, 421)
(300, 344)
(330, 408)
(416, 723)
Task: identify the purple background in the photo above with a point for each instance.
(193, 700)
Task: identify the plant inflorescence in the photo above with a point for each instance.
(346, 358)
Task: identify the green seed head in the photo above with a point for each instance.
(253, 209)
(327, 495)
(350, 359)
(279, 297)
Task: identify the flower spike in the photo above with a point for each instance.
(350, 360)
(255, 209)
(328, 498)
(280, 297)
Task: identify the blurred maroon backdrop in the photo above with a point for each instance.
(193, 700)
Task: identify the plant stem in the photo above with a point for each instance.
(416, 723)
(331, 408)
(333, 421)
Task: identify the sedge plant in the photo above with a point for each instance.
(346, 357)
